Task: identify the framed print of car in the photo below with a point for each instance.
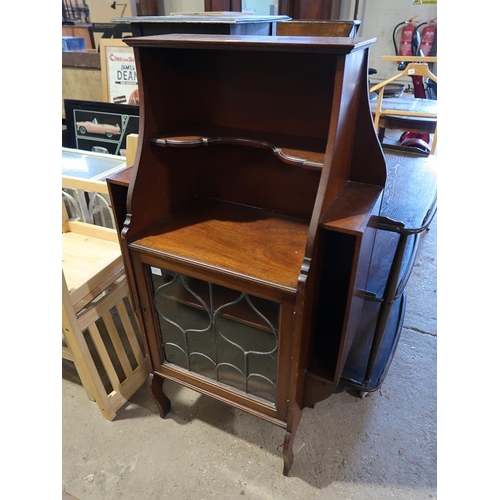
(94, 127)
(99, 126)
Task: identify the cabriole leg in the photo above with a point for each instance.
(290, 447)
(155, 386)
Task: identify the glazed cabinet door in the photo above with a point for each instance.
(220, 340)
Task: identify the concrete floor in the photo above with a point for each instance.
(380, 447)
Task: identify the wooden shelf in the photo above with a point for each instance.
(254, 244)
(352, 210)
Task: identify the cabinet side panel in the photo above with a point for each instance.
(345, 116)
(368, 160)
(149, 201)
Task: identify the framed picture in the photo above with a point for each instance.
(100, 126)
(119, 74)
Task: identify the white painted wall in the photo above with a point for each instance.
(378, 19)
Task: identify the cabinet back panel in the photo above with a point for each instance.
(242, 175)
(267, 93)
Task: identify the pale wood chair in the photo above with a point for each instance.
(100, 331)
(419, 113)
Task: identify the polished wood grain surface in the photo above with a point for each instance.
(331, 28)
(233, 239)
(411, 189)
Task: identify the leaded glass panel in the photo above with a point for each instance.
(217, 332)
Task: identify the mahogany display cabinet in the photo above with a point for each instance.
(248, 229)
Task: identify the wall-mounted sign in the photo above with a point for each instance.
(119, 74)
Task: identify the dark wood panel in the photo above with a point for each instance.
(147, 7)
(317, 28)
(411, 189)
(223, 5)
(305, 9)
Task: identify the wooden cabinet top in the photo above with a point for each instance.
(333, 45)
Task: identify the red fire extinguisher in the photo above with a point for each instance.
(428, 43)
(409, 41)
(428, 47)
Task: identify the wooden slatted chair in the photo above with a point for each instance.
(100, 332)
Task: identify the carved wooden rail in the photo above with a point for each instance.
(282, 154)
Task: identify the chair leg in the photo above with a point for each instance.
(68, 354)
(85, 366)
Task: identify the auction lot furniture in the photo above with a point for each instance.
(409, 205)
(249, 218)
(100, 332)
(230, 23)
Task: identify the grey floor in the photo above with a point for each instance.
(381, 447)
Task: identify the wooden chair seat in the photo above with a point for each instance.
(90, 263)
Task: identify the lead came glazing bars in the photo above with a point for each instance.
(202, 335)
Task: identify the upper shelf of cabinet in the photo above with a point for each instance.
(274, 89)
(286, 121)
